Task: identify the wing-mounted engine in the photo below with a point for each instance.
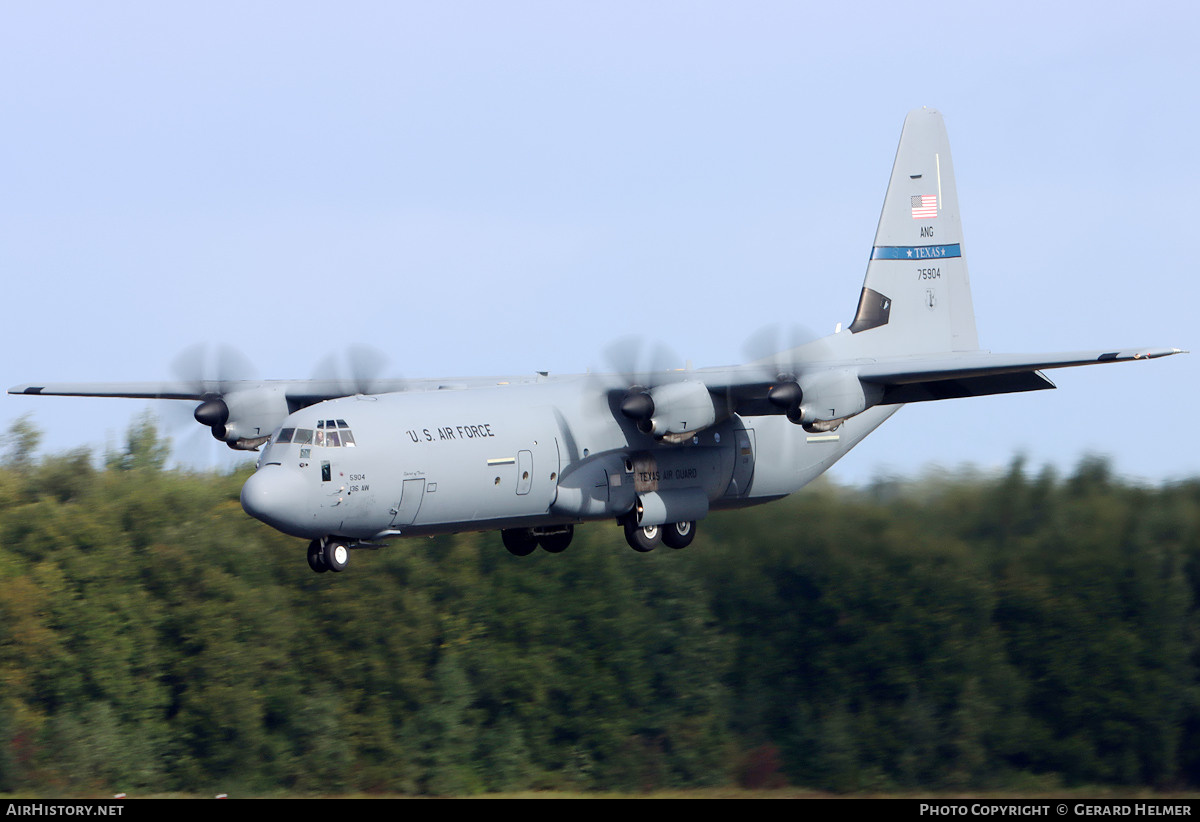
(664, 401)
(835, 395)
(674, 411)
(801, 380)
(245, 419)
(823, 400)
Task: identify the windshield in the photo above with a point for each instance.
(327, 434)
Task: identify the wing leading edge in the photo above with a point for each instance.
(304, 392)
(128, 390)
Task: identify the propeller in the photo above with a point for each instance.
(636, 361)
(236, 413)
(782, 353)
(208, 371)
(636, 366)
(357, 370)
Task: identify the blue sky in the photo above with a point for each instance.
(498, 188)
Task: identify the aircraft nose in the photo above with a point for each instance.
(276, 496)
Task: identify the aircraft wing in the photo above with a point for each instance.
(242, 413)
(300, 392)
(307, 391)
(978, 373)
(131, 390)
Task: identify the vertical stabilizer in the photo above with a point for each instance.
(916, 298)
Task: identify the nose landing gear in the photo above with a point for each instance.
(328, 554)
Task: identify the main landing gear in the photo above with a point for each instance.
(522, 542)
(328, 554)
(646, 538)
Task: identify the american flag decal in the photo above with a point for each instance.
(924, 206)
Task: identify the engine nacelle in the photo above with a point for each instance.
(835, 395)
(244, 419)
(681, 408)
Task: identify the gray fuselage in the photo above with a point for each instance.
(526, 455)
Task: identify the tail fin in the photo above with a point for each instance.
(916, 298)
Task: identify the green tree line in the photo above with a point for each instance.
(951, 632)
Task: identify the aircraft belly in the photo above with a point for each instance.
(798, 456)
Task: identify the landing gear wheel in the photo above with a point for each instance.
(557, 543)
(336, 555)
(316, 556)
(520, 542)
(678, 534)
(643, 540)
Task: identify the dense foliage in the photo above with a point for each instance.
(1026, 630)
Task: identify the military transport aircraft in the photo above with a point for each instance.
(656, 450)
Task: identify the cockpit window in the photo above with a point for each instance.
(334, 434)
(327, 434)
